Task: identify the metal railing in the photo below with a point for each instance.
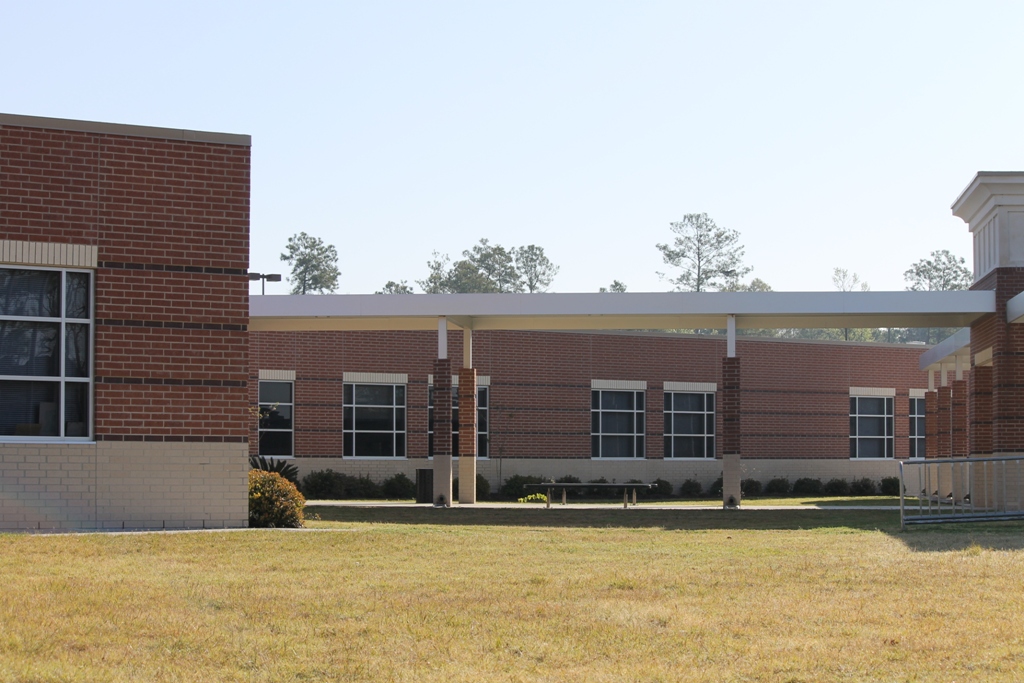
(961, 490)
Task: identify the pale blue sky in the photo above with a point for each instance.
(828, 134)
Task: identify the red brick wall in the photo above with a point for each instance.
(795, 395)
(1007, 342)
(170, 219)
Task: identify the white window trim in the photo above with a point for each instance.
(25, 256)
(260, 430)
(394, 406)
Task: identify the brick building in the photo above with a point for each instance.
(123, 325)
(131, 354)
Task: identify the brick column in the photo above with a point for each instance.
(931, 424)
(442, 431)
(729, 406)
(943, 424)
(958, 419)
(467, 435)
(980, 410)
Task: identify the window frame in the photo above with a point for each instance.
(888, 422)
(62, 380)
(916, 422)
(399, 437)
(259, 426)
(482, 418)
(639, 416)
(709, 417)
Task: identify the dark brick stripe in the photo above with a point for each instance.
(172, 381)
(171, 324)
(208, 270)
(172, 438)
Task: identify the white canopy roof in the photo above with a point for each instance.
(619, 311)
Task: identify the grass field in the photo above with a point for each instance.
(527, 594)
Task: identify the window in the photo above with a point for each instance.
(45, 353)
(616, 424)
(689, 425)
(916, 427)
(374, 416)
(871, 427)
(482, 396)
(276, 414)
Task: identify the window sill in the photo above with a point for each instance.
(618, 459)
(689, 459)
(277, 457)
(884, 457)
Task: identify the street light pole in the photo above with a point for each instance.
(264, 277)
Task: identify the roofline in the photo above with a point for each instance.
(127, 130)
(946, 351)
(609, 311)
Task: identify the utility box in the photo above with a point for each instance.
(425, 486)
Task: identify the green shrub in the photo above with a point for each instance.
(641, 491)
(569, 479)
(601, 492)
(398, 487)
(514, 487)
(890, 486)
(715, 490)
(779, 486)
(282, 467)
(808, 487)
(691, 488)
(534, 498)
(750, 487)
(331, 485)
(662, 489)
(274, 501)
(483, 487)
(863, 487)
(837, 487)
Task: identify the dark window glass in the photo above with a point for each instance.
(595, 422)
(853, 448)
(400, 395)
(347, 419)
(617, 400)
(687, 423)
(709, 427)
(481, 420)
(689, 447)
(76, 409)
(853, 426)
(595, 400)
(640, 426)
(29, 348)
(29, 408)
(689, 402)
(595, 446)
(853, 405)
(616, 423)
(349, 451)
(275, 417)
(668, 401)
(374, 395)
(710, 398)
(640, 400)
(375, 419)
(871, 426)
(275, 443)
(400, 445)
(617, 446)
(400, 419)
(871, 406)
(369, 444)
(76, 300)
(481, 397)
(871, 448)
(76, 349)
(668, 422)
(481, 446)
(275, 392)
(34, 293)
(347, 394)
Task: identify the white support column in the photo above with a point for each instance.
(959, 368)
(730, 332)
(467, 348)
(931, 379)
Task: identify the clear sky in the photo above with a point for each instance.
(828, 134)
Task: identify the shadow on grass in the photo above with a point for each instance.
(937, 538)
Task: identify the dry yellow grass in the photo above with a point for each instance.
(521, 596)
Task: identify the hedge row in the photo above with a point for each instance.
(331, 485)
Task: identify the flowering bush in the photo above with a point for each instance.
(274, 501)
